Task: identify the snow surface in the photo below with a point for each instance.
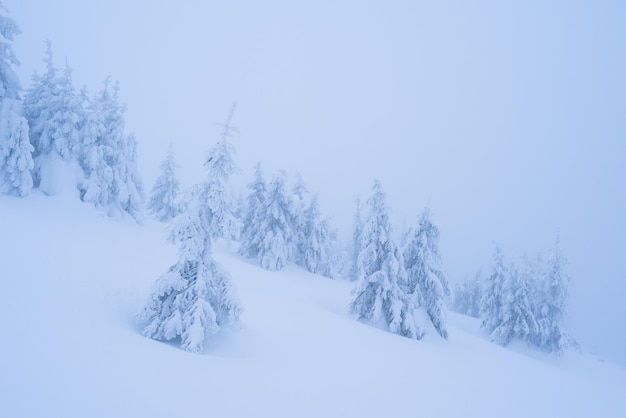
(73, 281)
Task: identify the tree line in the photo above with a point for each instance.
(56, 128)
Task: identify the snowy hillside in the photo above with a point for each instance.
(73, 281)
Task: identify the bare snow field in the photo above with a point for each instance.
(74, 280)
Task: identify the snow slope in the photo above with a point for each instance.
(72, 281)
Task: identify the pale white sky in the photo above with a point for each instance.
(506, 117)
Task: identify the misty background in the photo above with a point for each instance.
(507, 119)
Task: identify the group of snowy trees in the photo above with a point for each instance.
(526, 303)
(195, 298)
(397, 287)
(278, 227)
(60, 138)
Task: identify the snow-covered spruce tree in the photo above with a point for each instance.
(340, 260)
(468, 295)
(533, 270)
(252, 233)
(277, 223)
(55, 115)
(426, 282)
(162, 204)
(355, 266)
(380, 292)
(40, 104)
(15, 150)
(239, 210)
(95, 156)
(517, 317)
(196, 298)
(317, 242)
(495, 285)
(131, 195)
(109, 158)
(551, 304)
(16, 160)
(9, 82)
(299, 203)
(313, 238)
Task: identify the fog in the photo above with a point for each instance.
(506, 119)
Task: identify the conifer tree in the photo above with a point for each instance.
(551, 304)
(468, 295)
(16, 160)
(278, 241)
(495, 285)
(298, 208)
(254, 218)
(380, 292)
(40, 105)
(9, 81)
(131, 197)
(162, 203)
(196, 298)
(355, 266)
(426, 282)
(317, 244)
(517, 319)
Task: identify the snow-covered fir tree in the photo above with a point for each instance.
(131, 196)
(16, 160)
(9, 81)
(495, 285)
(277, 222)
(468, 296)
(426, 282)
(533, 269)
(221, 165)
(95, 156)
(357, 231)
(317, 242)
(40, 104)
(109, 159)
(196, 298)
(55, 115)
(163, 203)
(380, 292)
(299, 203)
(15, 150)
(239, 200)
(341, 258)
(252, 233)
(551, 304)
(517, 319)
